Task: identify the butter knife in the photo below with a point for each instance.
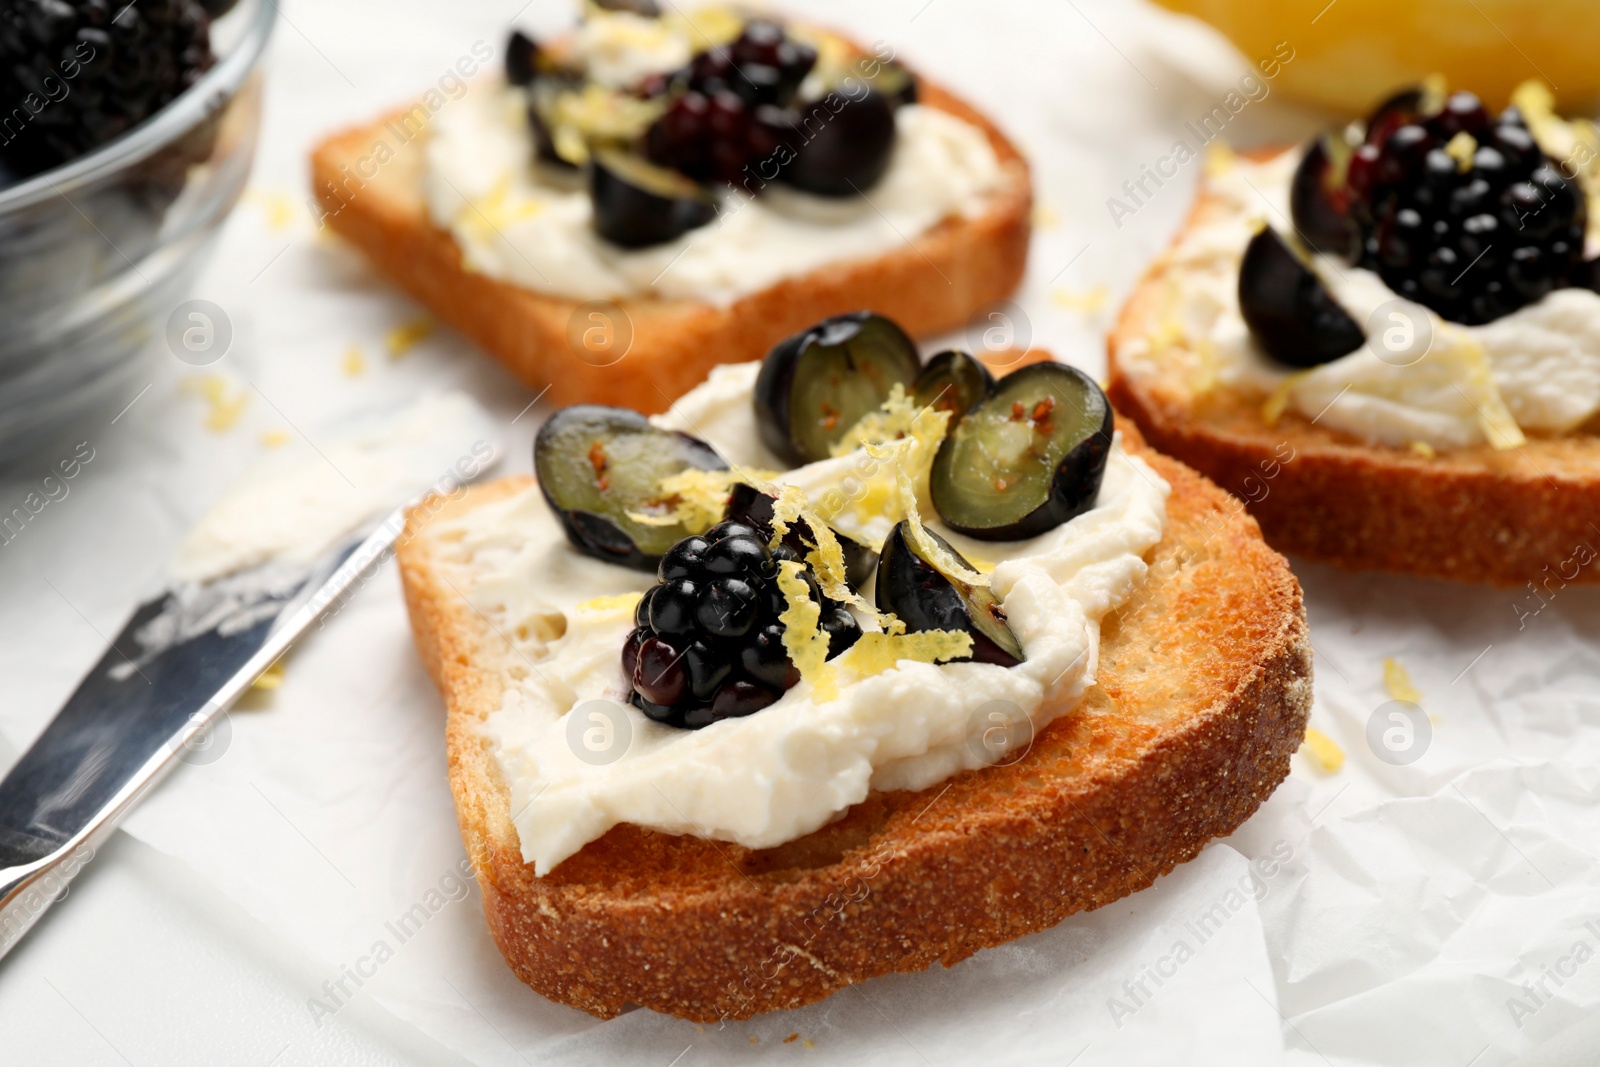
(176, 666)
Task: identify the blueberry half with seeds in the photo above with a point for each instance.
(925, 598)
(1028, 458)
(814, 386)
(596, 465)
(1290, 312)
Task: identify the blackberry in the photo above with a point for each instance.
(1473, 229)
(733, 105)
(707, 644)
(762, 66)
(79, 73)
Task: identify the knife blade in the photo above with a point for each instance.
(180, 661)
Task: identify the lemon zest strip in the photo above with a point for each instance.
(803, 637)
(606, 604)
(1397, 682)
(1494, 417)
(1323, 750)
(1277, 401)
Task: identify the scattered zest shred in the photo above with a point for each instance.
(607, 604)
(224, 405)
(1397, 681)
(1324, 751)
(281, 209)
(405, 337)
(1462, 148)
(1220, 159)
(1496, 420)
(271, 678)
(1278, 401)
(354, 363)
(1205, 375)
(1089, 301)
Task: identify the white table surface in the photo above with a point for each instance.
(1417, 901)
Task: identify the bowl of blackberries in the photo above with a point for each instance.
(127, 132)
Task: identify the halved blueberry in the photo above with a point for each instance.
(952, 381)
(522, 59)
(1026, 459)
(925, 598)
(637, 203)
(1319, 199)
(814, 386)
(597, 464)
(843, 152)
(896, 83)
(1290, 312)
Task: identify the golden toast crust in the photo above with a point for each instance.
(1203, 691)
(1531, 514)
(934, 283)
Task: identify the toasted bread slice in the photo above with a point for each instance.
(934, 283)
(1203, 690)
(1473, 514)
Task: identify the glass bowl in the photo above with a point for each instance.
(95, 254)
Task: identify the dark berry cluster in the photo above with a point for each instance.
(707, 644)
(1475, 231)
(83, 72)
(732, 104)
(762, 66)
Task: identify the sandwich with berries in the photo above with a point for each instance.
(613, 211)
(1387, 340)
(847, 664)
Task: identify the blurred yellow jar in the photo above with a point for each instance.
(1349, 54)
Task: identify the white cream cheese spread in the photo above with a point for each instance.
(1419, 379)
(519, 224)
(295, 504)
(790, 768)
